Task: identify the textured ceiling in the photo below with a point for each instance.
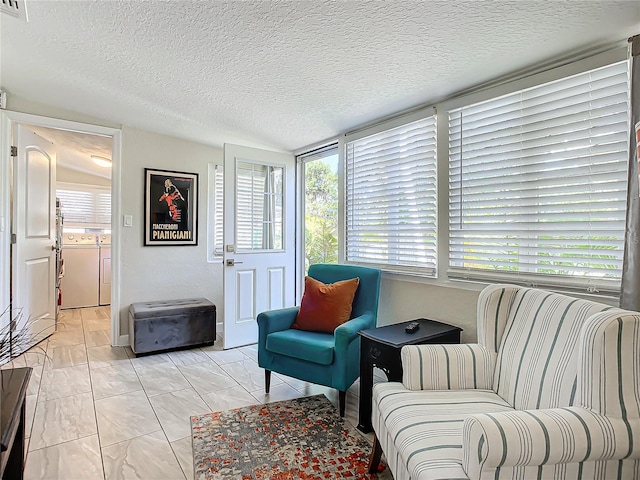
(74, 149)
(283, 74)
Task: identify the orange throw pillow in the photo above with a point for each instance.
(325, 306)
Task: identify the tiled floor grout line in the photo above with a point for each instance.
(203, 401)
(95, 413)
(185, 473)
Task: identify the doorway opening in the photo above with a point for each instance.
(85, 204)
(83, 216)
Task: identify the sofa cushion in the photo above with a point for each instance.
(422, 436)
(538, 358)
(310, 346)
(325, 306)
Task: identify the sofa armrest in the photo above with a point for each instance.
(348, 331)
(542, 437)
(276, 320)
(447, 367)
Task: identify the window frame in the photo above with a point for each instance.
(380, 127)
(303, 157)
(553, 74)
(555, 69)
(535, 128)
(96, 191)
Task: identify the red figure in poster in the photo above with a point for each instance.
(171, 193)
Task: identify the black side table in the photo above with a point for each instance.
(380, 347)
(13, 391)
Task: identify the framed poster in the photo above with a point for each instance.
(170, 207)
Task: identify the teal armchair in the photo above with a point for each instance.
(326, 359)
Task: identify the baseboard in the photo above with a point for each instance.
(123, 341)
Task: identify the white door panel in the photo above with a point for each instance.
(34, 270)
(276, 288)
(246, 290)
(36, 279)
(259, 238)
(37, 190)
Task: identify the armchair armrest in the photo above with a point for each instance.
(542, 437)
(348, 331)
(447, 367)
(276, 320)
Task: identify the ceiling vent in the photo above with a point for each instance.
(15, 8)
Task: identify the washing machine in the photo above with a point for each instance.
(80, 282)
(104, 242)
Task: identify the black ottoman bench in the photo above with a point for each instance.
(171, 324)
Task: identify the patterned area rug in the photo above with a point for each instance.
(303, 438)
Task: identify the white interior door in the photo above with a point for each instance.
(259, 238)
(33, 253)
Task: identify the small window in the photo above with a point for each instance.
(216, 211)
(537, 183)
(391, 199)
(259, 198)
(83, 205)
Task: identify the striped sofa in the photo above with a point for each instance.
(550, 391)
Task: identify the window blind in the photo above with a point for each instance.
(259, 197)
(84, 205)
(218, 209)
(390, 199)
(537, 183)
(103, 207)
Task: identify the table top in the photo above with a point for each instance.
(395, 336)
(13, 389)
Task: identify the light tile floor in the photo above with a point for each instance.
(98, 412)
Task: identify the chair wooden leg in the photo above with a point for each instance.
(376, 453)
(342, 400)
(267, 381)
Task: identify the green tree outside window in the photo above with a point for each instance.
(321, 212)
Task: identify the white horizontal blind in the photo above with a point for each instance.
(259, 197)
(537, 183)
(390, 199)
(250, 181)
(84, 205)
(218, 210)
(103, 207)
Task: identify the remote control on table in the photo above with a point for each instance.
(412, 327)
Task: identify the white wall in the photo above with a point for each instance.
(406, 300)
(161, 273)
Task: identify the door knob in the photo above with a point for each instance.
(231, 262)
